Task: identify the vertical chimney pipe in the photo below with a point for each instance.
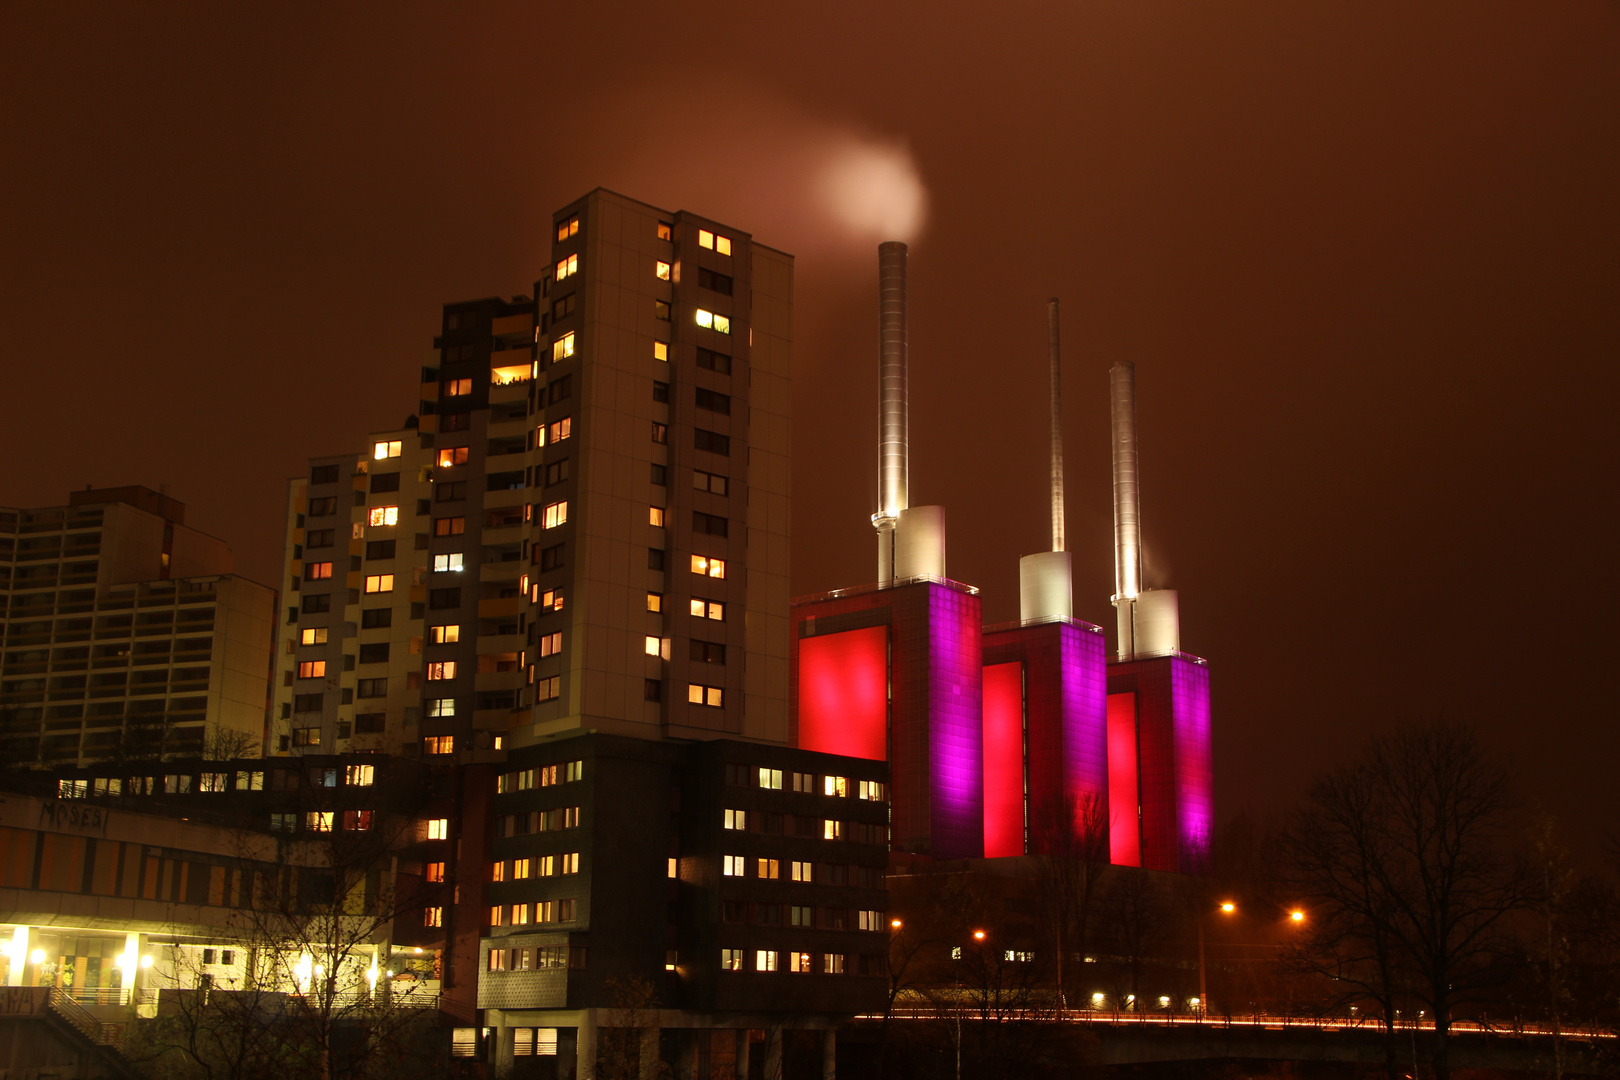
(1056, 375)
(1127, 511)
(893, 464)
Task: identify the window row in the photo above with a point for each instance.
(537, 821)
(810, 827)
(538, 957)
(539, 777)
(804, 916)
(739, 775)
(543, 911)
(769, 960)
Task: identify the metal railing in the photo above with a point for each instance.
(862, 590)
(1019, 624)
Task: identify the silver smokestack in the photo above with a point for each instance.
(1057, 422)
(893, 467)
(1127, 513)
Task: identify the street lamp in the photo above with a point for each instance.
(956, 956)
(1228, 907)
(1297, 915)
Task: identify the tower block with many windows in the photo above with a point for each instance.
(584, 526)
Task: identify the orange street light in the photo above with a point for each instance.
(894, 924)
(1297, 915)
(1227, 907)
(978, 935)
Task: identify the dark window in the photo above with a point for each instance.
(307, 703)
(712, 441)
(768, 914)
(661, 310)
(368, 722)
(720, 283)
(383, 482)
(504, 481)
(379, 549)
(739, 775)
(315, 603)
(372, 618)
(451, 492)
(560, 389)
(713, 361)
(660, 474)
(708, 399)
(707, 652)
(323, 507)
(652, 690)
(371, 688)
(661, 391)
(655, 558)
(440, 599)
(556, 472)
(734, 911)
(323, 474)
(660, 432)
(563, 307)
(374, 654)
(455, 421)
(712, 524)
(552, 557)
(318, 538)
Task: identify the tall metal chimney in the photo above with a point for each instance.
(1127, 513)
(893, 464)
(1056, 374)
(1045, 588)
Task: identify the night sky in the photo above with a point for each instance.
(1365, 256)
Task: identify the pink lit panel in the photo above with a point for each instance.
(1124, 836)
(1003, 760)
(844, 693)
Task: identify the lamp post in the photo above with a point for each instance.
(1227, 908)
(978, 937)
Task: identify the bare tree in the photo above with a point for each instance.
(631, 1031)
(1408, 853)
(1070, 862)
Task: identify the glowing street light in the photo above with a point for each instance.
(894, 924)
(1297, 915)
(978, 935)
(1227, 907)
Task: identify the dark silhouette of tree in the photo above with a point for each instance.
(1071, 841)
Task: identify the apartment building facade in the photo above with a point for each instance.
(124, 634)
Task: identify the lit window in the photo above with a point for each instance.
(674, 867)
(722, 244)
(383, 450)
(771, 778)
(567, 268)
(871, 790)
(655, 601)
(317, 571)
(457, 387)
(801, 871)
(873, 920)
(661, 270)
(709, 240)
(444, 706)
(448, 562)
(558, 430)
(452, 456)
(520, 914)
(703, 695)
(654, 646)
(455, 526)
(665, 232)
(708, 609)
(835, 785)
(655, 516)
(447, 635)
(702, 564)
(434, 871)
(568, 863)
(306, 736)
(551, 644)
(380, 583)
(798, 961)
(444, 669)
(832, 830)
(383, 515)
(563, 347)
(438, 744)
(556, 514)
(568, 228)
(433, 916)
(712, 321)
(660, 432)
(497, 915)
(832, 963)
(737, 819)
(312, 669)
(313, 635)
(359, 775)
(520, 869)
(765, 960)
(548, 689)
(733, 866)
(770, 869)
(660, 351)
(438, 829)
(551, 599)
(318, 821)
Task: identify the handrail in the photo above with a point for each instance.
(1019, 624)
(879, 586)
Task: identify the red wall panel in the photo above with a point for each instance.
(844, 693)
(1124, 829)
(1003, 760)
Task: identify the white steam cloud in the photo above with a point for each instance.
(874, 190)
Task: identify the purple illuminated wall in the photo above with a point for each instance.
(1066, 722)
(935, 702)
(1173, 750)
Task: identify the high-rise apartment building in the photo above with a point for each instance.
(126, 635)
(586, 524)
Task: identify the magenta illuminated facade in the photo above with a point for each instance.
(1168, 697)
(1063, 758)
(931, 633)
